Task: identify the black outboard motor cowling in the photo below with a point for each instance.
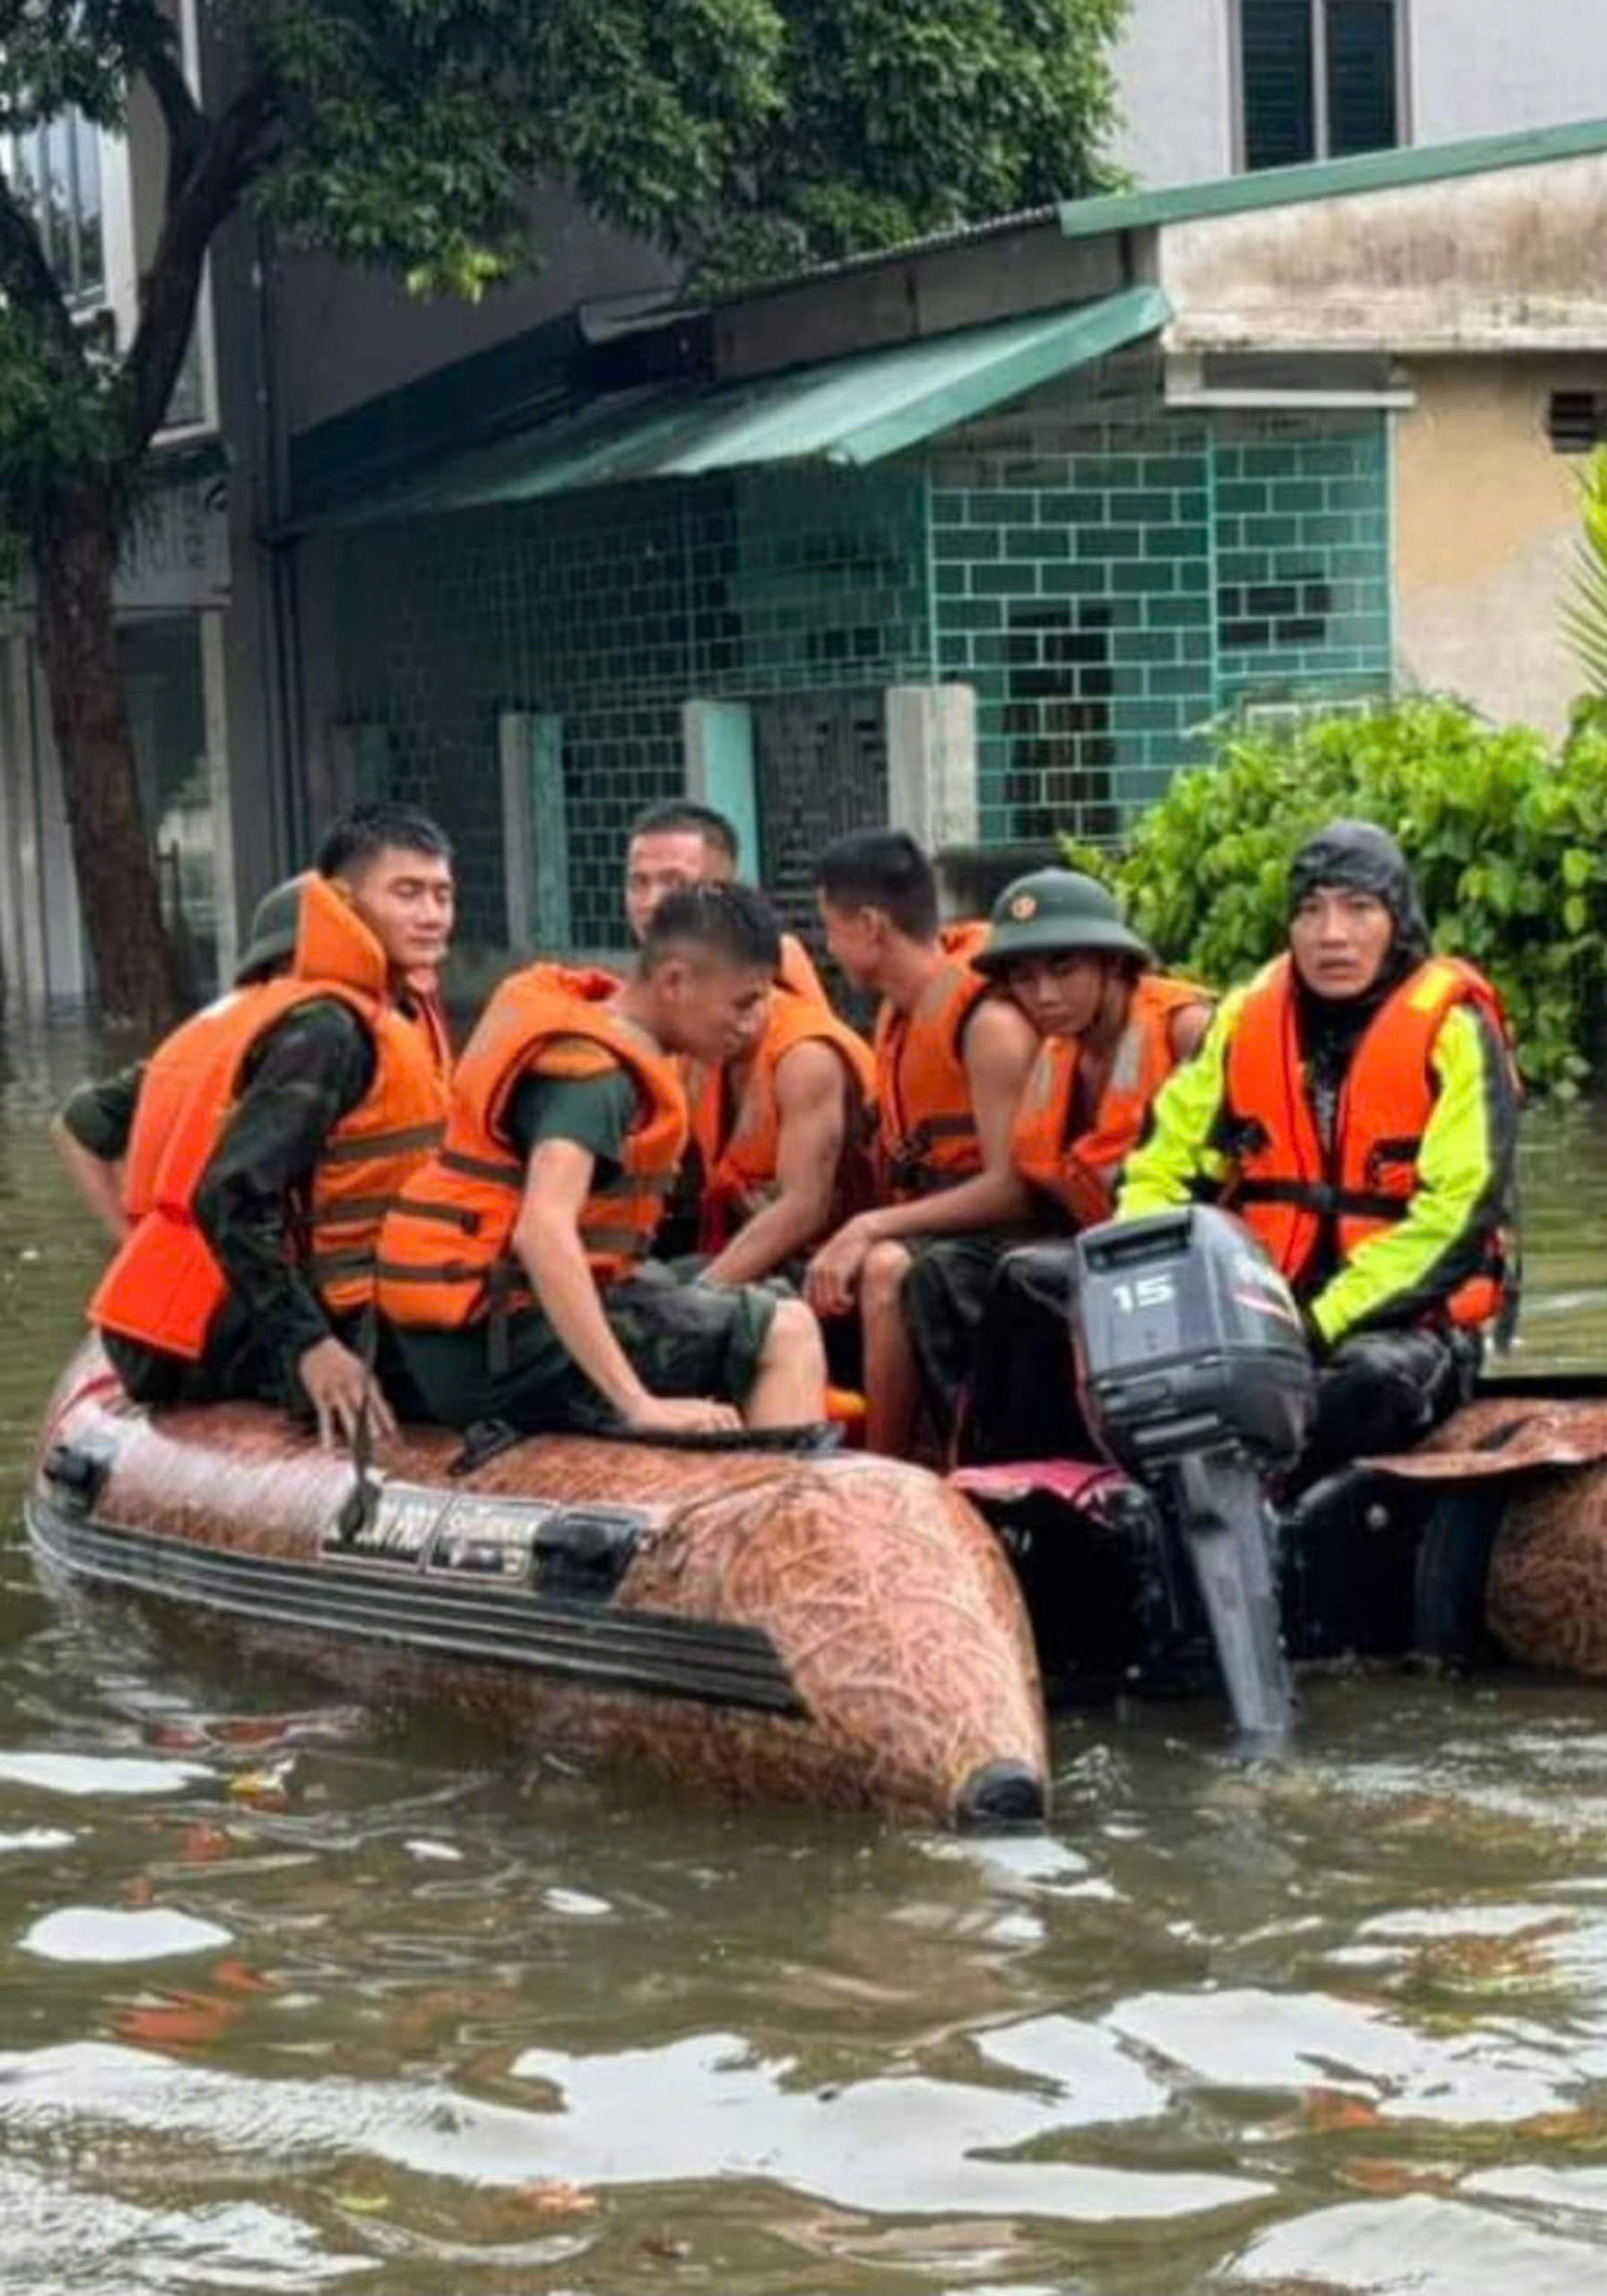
(1186, 1337)
(1194, 1377)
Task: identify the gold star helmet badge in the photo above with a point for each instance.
(1023, 905)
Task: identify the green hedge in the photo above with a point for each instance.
(1505, 834)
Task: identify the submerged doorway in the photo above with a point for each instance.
(820, 767)
(164, 680)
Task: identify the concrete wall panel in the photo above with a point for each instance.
(1500, 262)
(1485, 522)
(1478, 67)
(1174, 64)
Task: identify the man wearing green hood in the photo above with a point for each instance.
(1356, 1106)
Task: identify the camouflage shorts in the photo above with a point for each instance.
(683, 1338)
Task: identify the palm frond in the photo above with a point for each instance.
(1584, 614)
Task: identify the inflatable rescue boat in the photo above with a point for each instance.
(781, 1622)
(775, 1624)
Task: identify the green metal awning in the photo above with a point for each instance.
(848, 412)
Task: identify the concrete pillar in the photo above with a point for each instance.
(21, 940)
(214, 699)
(535, 845)
(932, 763)
(717, 744)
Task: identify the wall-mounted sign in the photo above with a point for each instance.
(174, 556)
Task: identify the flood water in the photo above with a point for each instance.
(293, 1996)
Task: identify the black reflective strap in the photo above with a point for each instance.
(947, 1127)
(449, 1215)
(480, 1168)
(345, 1210)
(381, 1143)
(454, 1272)
(1326, 1201)
(324, 1267)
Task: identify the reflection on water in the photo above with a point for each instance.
(294, 1996)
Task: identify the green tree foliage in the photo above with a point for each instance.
(1508, 841)
(745, 135)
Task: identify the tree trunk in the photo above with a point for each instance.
(75, 557)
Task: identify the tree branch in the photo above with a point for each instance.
(229, 155)
(26, 277)
(151, 43)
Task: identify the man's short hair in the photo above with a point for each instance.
(733, 925)
(364, 832)
(884, 869)
(684, 816)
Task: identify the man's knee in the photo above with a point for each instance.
(882, 1278)
(794, 1339)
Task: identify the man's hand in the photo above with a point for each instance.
(831, 1276)
(337, 1382)
(683, 1415)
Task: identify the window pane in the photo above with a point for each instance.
(31, 180)
(92, 256)
(188, 403)
(1361, 75)
(1275, 43)
(58, 199)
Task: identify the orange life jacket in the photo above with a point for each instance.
(739, 1158)
(797, 971)
(164, 1287)
(446, 1254)
(166, 1083)
(1285, 1187)
(430, 1014)
(926, 1129)
(1080, 1171)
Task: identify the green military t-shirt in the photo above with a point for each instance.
(596, 1113)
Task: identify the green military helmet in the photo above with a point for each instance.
(1056, 913)
(275, 922)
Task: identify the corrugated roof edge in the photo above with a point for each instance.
(951, 235)
(1392, 170)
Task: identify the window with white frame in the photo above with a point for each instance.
(1318, 79)
(54, 171)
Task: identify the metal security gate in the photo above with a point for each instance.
(820, 767)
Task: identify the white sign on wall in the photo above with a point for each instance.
(175, 557)
(175, 554)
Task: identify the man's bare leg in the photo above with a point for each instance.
(790, 1388)
(892, 1386)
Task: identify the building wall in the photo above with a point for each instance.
(1479, 66)
(1486, 521)
(344, 336)
(1108, 588)
(1105, 586)
(610, 612)
(1174, 66)
(1473, 68)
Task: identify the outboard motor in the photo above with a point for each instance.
(1194, 1377)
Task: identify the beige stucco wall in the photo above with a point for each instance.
(1484, 533)
(1509, 259)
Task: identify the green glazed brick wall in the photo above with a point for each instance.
(1302, 567)
(1107, 586)
(1113, 589)
(610, 611)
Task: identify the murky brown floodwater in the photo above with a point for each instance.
(292, 1996)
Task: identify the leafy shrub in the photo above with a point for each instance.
(1507, 839)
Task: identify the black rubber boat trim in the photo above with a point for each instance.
(580, 1641)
